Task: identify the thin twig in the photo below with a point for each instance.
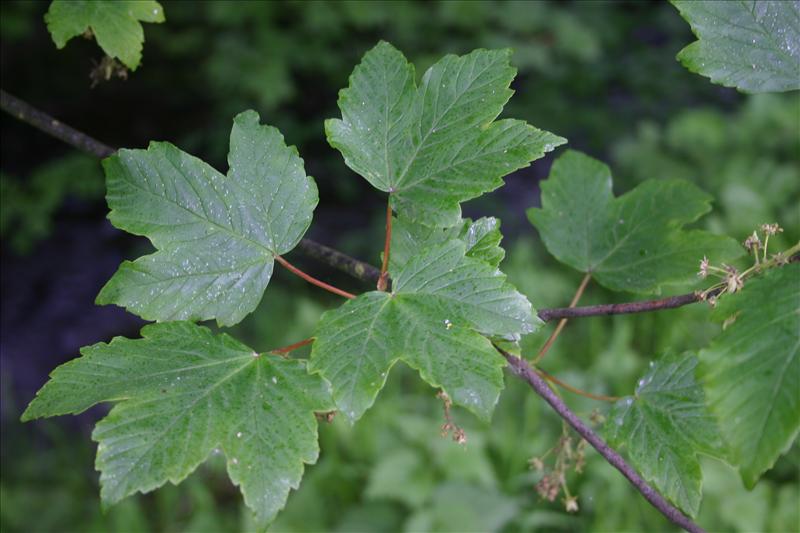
(382, 281)
(523, 370)
(619, 309)
(312, 280)
(575, 390)
(336, 259)
(563, 322)
(38, 119)
(44, 122)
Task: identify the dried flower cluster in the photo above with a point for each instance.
(459, 435)
(554, 480)
(731, 280)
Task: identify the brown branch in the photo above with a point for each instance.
(49, 125)
(618, 309)
(521, 369)
(336, 259)
(40, 120)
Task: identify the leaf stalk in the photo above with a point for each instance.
(563, 321)
(312, 280)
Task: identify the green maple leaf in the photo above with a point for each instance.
(634, 242)
(481, 238)
(181, 392)
(216, 236)
(442, 305)
(664, 426)
(114, 23)
(751, 370)
(436, 145)
(751, 45)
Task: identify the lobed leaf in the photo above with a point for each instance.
(216, 235)
(634, 242)
(481, 238)
(664, 426)
(182, 393)
(442, 305)
(751, 371)
(753, 45)
(115, 24)
(436, 145)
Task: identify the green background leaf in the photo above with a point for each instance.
(114, 23)
(436, 145)
(441, 303)
(183, 393)
(751, 371)
(664, 426)
(633, 242)
(751, 45)
(216, 236)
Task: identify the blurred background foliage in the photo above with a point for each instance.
(602, 74)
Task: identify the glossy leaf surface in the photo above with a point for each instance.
(634, 242)
(216, 235)
(434, 320)
(664, 426)
(481, 238)
(753, 45)
(751, 370)
(116, 24)
(434, 145)
(183, 393)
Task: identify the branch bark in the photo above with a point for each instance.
(521, 369)
(618, 309)
(44, 122)
(49, 125)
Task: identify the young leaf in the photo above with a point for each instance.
(664, 426)
(181, 392)
(114, 23)
(216, 236)
(482, 239)
(751, 370)
(436, 145)
(442, 302)
(751, 45)
(633, 242)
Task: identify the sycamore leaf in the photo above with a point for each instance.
(751, 45)
(182, 393)
(481, 238)
(633, 242)
(114, 23)
(434, 320)
(436, 145)
(751, 371)
(664, 426)
(216, 235)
